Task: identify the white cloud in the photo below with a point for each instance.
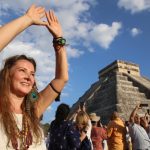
(104, 34)
(135, 5)
(135, 32)
(87, 43)
(74, 53)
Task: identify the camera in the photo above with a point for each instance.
(148, 111)
(143, 105)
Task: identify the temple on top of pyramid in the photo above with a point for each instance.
(120, 66)
(120, 88)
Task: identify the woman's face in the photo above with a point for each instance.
(22, 77)
(81, 126)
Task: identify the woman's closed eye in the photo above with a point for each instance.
(33, 74)
(25, 71)
(22, 70)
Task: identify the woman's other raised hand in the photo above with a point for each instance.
(35, 14)
(53, 24)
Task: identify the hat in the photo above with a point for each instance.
(94, 117)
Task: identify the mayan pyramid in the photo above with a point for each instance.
(120, 88)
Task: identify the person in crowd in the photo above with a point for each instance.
(82, 107)
(146, 121)
(99, 124)
(82, 124)
(63, 133)
(128, 137)
(20, 104)
(116, 133)
(98, 134)
(139, 136)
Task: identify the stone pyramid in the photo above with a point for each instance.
(120, 88)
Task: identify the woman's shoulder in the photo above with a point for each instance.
(69, 122)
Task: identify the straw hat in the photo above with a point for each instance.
(94, 117)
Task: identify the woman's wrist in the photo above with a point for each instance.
(28, 19)
(58, 48)
(57, 36)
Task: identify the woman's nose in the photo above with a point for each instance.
(27, 76)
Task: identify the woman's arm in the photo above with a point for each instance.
(72, 117)
(133, 114)
(110, 129)
(10, 30)
(47, 96)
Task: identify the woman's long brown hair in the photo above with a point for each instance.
(6, 115)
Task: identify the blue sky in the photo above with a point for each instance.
(98, 32)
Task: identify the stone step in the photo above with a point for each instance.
(122, 82)
(122, 93)
(102, 103)
(107, 90)
(122, 97)
(118, 73)
(131, 95)
(142, 80)
(129, 108)
(115, 78)
(99, 101)
(127, 88)
(120, 77)
(130, 98)
(126, 93)
(133, 102)
(102, 110)
(132, 107)
(104, 95)
(110, 82)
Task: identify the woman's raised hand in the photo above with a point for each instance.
(53, 24)
(35, 14)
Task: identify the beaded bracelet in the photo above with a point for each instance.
(59, 41)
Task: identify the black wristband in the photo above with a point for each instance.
(58, 97)
(59, 41)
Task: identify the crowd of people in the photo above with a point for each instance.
(82, 131)
(21, 105)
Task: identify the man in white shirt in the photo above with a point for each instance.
(140, 139)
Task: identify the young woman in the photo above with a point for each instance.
(82, 124)
(19, 113)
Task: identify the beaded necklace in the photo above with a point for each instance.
(24, 136)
